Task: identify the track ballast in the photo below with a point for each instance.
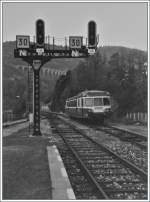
(113, 177)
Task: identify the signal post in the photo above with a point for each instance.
(37, 54)
(36, 98)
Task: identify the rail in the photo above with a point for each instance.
(79, 144)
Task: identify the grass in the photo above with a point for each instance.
(25, 167)
(126, 121)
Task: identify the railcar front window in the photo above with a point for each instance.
(106, 101)
(98, 102)
(88, 102)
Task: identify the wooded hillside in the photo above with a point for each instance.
(119, 70)
(123, 73)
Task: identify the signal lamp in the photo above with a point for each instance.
(92, 39)
(40, 33)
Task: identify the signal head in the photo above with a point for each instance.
(40, 33)
(92, 38)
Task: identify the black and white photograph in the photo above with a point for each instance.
(74, 100)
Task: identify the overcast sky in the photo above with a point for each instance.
(123, 24)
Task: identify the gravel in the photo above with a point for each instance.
(126, 150)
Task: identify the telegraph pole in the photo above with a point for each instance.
(38, 53)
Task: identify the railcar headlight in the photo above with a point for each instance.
(89, 110)
(107, 110)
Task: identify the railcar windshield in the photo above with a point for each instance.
(98, 101)
(88, 102)
(106, 101)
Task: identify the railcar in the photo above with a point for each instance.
(92, 104)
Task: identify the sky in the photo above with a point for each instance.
(118, 24)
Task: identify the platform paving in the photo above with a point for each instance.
(25, 166)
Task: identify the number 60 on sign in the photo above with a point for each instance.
(22, 41)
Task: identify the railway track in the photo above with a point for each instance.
(130, 146)
(112, 176)
(125, 135)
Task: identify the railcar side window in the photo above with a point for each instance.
(75, 103)
(88, 102)
(98, 102)
(106, 101)
(72, 103)
(81, 102)
(66, 104)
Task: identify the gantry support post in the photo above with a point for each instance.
(36, 129)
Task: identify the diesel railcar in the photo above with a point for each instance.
(92, 104)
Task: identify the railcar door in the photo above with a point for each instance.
(82, 107)
(79, 108)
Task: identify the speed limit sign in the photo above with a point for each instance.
(75, 42)
(22, 41)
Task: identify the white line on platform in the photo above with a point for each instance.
(70, 194)
(56, 151)
(63, 172)
(59, 158)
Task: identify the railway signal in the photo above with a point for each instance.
(92, 36)
(37, 54)
(40, 33)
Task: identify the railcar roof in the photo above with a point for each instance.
(90, 93)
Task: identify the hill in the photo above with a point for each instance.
(67, 64)
(60, 64)
(119, 70)
(110, 50)
(15, 82)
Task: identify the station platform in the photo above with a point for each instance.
(62, 189)
(10, 123)
(12, 127)
(32, 166)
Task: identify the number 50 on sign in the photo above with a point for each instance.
(22, 41)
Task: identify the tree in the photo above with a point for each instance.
(62, 82)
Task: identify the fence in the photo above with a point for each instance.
(137, 116)
(10, 116)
